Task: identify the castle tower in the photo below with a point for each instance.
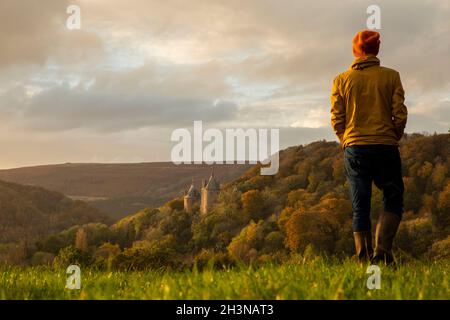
(209, 193)
(191, 198)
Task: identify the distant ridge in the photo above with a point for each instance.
(119, 189)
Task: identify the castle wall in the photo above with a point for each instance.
(188, 204)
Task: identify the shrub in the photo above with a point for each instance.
(245, 246)
(415, 236)
(440, 249)
(71, 255)
(42, 258)
(148, 255)
(274, 242)
(212, 259)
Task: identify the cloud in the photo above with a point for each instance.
(145, 67)
(62, 108)
(34, 33)
(430, 117)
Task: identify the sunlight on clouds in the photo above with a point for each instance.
(314, 118)
(140, 68)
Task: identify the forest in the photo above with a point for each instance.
(304, 210)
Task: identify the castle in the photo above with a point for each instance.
(207, 195)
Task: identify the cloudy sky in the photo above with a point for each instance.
(114, 90)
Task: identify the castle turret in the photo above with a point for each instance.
(209, 193)
(191, 197)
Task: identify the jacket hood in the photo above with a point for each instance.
(366, 62)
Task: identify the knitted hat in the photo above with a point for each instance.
(366, 42)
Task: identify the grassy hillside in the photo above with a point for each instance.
(315, 279)
(28, 213)
(286, 236)
(119, 189)
(304, 209)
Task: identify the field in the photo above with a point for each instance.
(316, 279)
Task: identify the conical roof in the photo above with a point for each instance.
(192, 192)
(212, 182)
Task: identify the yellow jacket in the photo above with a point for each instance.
(367, 104)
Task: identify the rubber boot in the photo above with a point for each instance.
(363, 245)
(384, 237)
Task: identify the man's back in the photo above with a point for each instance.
(368, 104)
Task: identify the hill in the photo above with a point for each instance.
(119, 189)
(304, 209)
(28, 213)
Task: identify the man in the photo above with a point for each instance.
(368, 115)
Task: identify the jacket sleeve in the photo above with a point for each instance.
(337, 110)
(399, 111)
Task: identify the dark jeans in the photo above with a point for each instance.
(380, 164)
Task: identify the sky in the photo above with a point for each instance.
(115, 89)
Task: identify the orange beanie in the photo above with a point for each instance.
(366, 42)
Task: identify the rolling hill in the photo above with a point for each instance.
(119, 189)
(303, 209)
(28, 212)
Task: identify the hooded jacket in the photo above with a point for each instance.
(367, 104)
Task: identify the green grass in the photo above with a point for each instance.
(316, 279)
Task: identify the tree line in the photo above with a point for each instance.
(303, 210)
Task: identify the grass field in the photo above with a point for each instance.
(317, 279)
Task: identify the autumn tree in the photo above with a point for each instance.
(442, 215)
(245, 246)
(253, 204)
(309, 227)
